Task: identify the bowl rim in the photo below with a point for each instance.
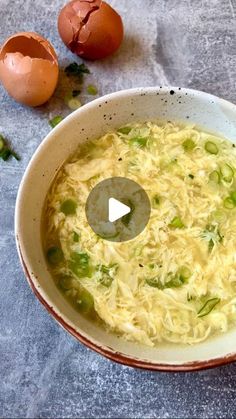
(108, 352)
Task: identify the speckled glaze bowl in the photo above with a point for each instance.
(90, 122)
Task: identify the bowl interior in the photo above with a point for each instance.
(90, 122)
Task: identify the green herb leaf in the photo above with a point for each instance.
(68, 207)
(208, 307)
(55, 121)
(92, 90)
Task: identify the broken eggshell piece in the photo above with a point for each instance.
(90, 28)
(28, 68)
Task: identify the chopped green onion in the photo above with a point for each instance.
(85, 302)
(227, 172)
(54, 255)
(191, 176)
(184, 273)
(211, 147)
(107, 274)
(233, 197)
(68, 207)
(212, 235)
(5, 151)
(175, 282)
(155, 201)
(75, 93)
(2, 142)
(229, 203)
(188, 145)
(176, 223)
(75, 69)
(76, 237)
(124, 130)
(74, 104)
(155, 283)
(138, 141)
(92, 90)
(79, 264)
(208, 307)
(55, 121)
(214, 176)
(65, 282)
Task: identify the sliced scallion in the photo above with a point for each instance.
(54, 255)
(227, 172)
(124, 130)
(155, 201)
(92, 90)
(211, 147)
(138, 141)
(55, 121)
(188, 145)
(176, 223)
(68, 207)
(229, 203)
(208, 307)
(233, 197)
(214, 176)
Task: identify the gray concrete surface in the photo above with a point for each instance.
(44, 372)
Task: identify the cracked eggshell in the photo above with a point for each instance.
(28, 68)
(90, 28)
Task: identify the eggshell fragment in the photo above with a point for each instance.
(28, 68)
(90, 28)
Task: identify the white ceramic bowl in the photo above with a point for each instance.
(90, 122)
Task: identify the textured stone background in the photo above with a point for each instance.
(44, 372)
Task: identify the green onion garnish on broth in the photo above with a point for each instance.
(208, 307)
(155, 282)
(76, 237)
(227, 172)
(176, 223)
(107, 274)
(124, 130)
(188, 145)
(85, 302)
(92, 90)
(233, 197)
(155, 201)
(229, 203)
(214, 176)
(79, 264)
(138, 141)
(54, 255)
(55, 121)
(211, 147)
(68, 207)
(65, 282)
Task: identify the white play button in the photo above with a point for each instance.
(117, 210)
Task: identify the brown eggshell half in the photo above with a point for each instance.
(94, 36)
(29, 68)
